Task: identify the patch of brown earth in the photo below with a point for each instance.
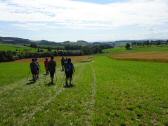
(143, 56)
(58, 59)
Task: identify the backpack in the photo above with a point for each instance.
(34, 67)
(69, 68)
(51, 66)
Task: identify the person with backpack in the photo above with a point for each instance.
(34, 70)
(52, 68)
(65, 62)
(69, 70)
(62, 63)
(46, 65)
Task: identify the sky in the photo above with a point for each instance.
(90, 20)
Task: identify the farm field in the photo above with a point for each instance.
(75, 59)
(155, 53)
(143, 56)
(106, 92)
(153, 48)
(12, 47)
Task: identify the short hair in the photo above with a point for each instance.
(52, 57)
(33, 59)
(69, 60)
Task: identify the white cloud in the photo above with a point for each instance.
(52, 14)
(73, 13)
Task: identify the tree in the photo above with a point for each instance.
(128, 46)
(49, 49)
(33, 45)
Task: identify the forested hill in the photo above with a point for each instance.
(12, 48)
(15, 40)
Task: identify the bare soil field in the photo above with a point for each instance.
(58, 59)
(143, 56)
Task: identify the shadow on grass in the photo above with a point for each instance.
(69, 86)
(86, 61)
(50, 84)
(30, 82)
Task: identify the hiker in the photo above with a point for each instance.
(62, 63)
(34, 69)
(38, 68)
(65, 62)
(51, 68)
(69, 70)
(46, 65)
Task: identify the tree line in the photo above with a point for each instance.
(149, 43)
(6, 56)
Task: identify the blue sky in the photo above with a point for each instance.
(91, 20)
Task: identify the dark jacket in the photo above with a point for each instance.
(51, 66)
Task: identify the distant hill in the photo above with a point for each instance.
(78, 43)
(14, 40)
(21, 41)
(82, 43)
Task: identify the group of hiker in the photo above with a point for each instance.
(50, 68)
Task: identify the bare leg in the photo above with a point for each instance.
(70, 81)
(52, 80)
(62, 67)
(46, 71)
(34, 77)
(66, 83)
(37, 76)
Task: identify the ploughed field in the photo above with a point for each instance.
(154, 53)
(143, 56)
(106, 92)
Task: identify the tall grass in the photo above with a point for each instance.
(106, 92)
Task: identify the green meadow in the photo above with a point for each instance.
(106, 92)
(12, 47)
(152, 48)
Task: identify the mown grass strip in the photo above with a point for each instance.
(24, 99)
(71, 107)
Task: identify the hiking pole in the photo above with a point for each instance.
(45, 79)
(63, 78)
(72, 81)
(28, 76)
(55, 77)
(38, 76)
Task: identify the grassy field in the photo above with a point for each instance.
(154, 48)
(107, 92)
(12, 47)
(10, 72)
